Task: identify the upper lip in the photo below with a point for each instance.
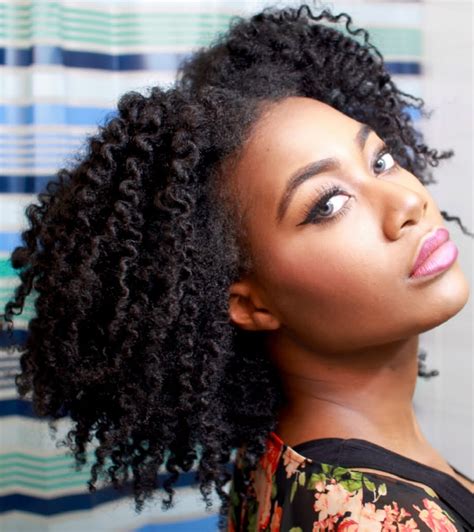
(430, 242)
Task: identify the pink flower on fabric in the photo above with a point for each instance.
(394, 517)
(320, 485)
(348, 525)
(434, 517)
(408, 526)
(371, 519)
(328, 524)
(337, 500)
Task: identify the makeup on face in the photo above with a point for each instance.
(335, 225)
(436, 255)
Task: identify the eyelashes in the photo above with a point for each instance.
(315, 212)
(310, 215)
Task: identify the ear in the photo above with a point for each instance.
(247, 310)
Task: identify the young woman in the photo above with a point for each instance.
(245, 261)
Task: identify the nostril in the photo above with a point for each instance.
(410, 222)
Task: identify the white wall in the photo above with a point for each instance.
(445, 404)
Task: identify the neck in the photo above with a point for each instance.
(366, 394)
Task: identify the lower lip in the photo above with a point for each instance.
(441, 259)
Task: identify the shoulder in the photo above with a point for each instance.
(288, 491)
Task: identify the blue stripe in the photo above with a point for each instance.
(403, 67)
(28, 184)
(16, 407)
(8, 241)
(53, 114)
(41, 114)
(18, 337)
(206, 524)
(23, 408)
(71, 503)
(54, 55)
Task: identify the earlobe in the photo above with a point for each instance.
(247, 311)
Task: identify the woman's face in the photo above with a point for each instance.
(341, 284)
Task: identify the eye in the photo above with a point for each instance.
(332, 206)
(384, 162)
(327, 208)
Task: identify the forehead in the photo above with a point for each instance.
(301, 113)
(296, 124)
(289, 134)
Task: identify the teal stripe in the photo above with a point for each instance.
(12, 484)
(18, 468)
(29, 310)
(152, 20)
(397, 41)
(201, 39)
(44, 476)
(43, 460)
(390, 41)
(37, 459)
(6, 269)
(24, 316)
(164, 28)
(7, 290)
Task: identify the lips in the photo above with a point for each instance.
(430, 244)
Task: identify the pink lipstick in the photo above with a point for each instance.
(437, 254)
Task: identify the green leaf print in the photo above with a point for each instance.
(383, 489)
(293, 490)
(252, 522)
(274, 488)
(326, 468)
(302, 479)
(369, 485)
(340, 472)
(351, 485)
(429, 491)
(296, 529)
(314, 479)
(356, 475)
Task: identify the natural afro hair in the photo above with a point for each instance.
(131, 250)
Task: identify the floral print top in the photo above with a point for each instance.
(311, 487)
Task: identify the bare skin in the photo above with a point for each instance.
(341, 313)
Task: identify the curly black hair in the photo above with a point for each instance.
(131, 250)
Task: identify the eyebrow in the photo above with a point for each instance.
(313, 169)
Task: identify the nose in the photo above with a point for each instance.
(403, 207)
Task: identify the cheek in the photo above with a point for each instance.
(324, 278)
(325, 295)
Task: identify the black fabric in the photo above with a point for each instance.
(355, 452)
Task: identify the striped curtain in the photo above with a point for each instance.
(63, 65)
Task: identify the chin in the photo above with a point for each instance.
(452, 294)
